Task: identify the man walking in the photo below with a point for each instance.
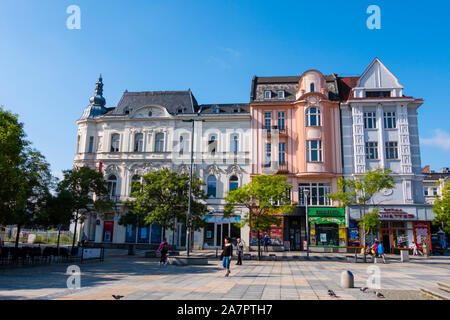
(240, 251)
(266, 242)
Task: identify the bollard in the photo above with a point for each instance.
(404, 255)
(347, 279)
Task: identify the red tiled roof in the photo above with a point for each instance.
(345, 85)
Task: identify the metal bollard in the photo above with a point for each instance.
(347, 279)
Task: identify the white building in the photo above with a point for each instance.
(151, 130)
(380, 130)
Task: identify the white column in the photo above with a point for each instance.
(358, 140)
(381, 139)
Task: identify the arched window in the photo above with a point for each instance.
(184, 143)
(234, 143)
(134, 179)
(138, 142)
(115, 142)
(234, 183)
(212, 186)
(112, 185)
(311, 87)
(212, 144)
(159, 142)
(313, 117)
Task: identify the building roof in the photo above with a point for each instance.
(171, 100)
(224, 108)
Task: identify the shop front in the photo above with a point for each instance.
(400, 227)
(327, 229)
(218, 227)
(294, 233)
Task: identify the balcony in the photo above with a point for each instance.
(275, 167)
(275, 130)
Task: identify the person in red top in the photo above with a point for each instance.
(163, 248)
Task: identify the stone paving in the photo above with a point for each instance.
(138, 278)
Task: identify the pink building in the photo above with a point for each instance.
(296, 132)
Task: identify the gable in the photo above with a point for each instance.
(378, 76)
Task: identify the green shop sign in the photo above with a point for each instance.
(326, 212)
(322, 220)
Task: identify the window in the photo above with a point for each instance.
(212, 144)
(390, 120)
(215, 109)
(268, 155)
(377, 94)
(281, 120)
(134, 180)
(318, 194)
(212, 186)
(267, 94)
(311, 87)
(314, 150)
(234, 183)
(282, 153)
(234, 147)
(370, 120)
(112, 185)
(150, 114)
(313, 117)
(391, 150)
(138, 142)
(236, 109)
(425, 191)
(184, 143)
(372, 150)
(115, 142)
(91, 144)
(434, 191)
(180, 109)
(281, 94)
(267, 121)
(78, 144)
(159, 142)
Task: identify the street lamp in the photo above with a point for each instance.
(306, 193)
(189, 218)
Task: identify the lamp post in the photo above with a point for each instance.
(306, 193)
(189, 218)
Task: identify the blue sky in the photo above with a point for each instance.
(48, 72)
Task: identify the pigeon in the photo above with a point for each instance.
(379, 294)
(363, 289)
(331, 293)
(117, 297)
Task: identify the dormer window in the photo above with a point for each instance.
(311, 87)
(215, 109)
(281, 94)
(126, 110)
(236, 109)
(378, 94)
(267, 94)
(180, 109)
(150, 114)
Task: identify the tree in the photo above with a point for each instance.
(82, 183)
(441, 208)
(360, 191)
(57, 212)
(265, 198)
(163, 198)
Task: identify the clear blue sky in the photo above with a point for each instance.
(48, 72)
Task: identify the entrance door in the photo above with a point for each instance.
(387, 242)
(108, 228)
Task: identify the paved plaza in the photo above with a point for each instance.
(136, 278)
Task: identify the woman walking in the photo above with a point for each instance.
(227, 252)
(240, 251)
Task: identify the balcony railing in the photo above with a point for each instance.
(275, 129)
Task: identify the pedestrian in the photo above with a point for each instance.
(266, 242)
(240, 251)
(381, 252)
(164, 249)
(375, 247)
(227, 252)
(414, 248)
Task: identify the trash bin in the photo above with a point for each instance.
(132, 250)
(404, 255)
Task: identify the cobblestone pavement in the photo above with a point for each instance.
(140, 278)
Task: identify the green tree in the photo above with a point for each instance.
(441, 208)
(163, 198)
(360, 191)
(265, 197)
(57, 212)
(82, 183)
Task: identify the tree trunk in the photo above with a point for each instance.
(164, 232)
(259, 246)
(74, 233)
(17, 237)
(364, 234)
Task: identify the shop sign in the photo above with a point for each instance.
(395, 214)
(326, 212)
(221, 219)
(321, 220)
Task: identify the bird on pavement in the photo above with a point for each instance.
(331, 293)
(117, 297)
(363, 289)
(379, 294)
